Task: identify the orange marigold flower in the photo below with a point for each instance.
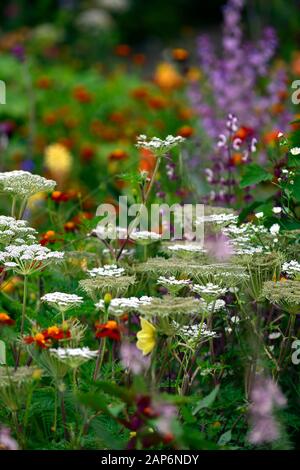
(180, 54)
(56, 333)
(110, 329)
(81, 94)
(59, 196)
(122, 50)
(87, 152)
(44, 82)
(39, 340)
(118, 154)
(185, 131)
(70, 226)
(139, 59)
(243, 133)
(5, 319)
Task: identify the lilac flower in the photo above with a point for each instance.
(166, 415)
(232, 84)
(265, 398)
(133, 359)
(6, 441)
(219, 247)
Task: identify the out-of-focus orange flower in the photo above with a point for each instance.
(296, 63)
(147, 161)
(278, 108)
(48, 237)
(5, 319)
(87, 152)
(81, 217)
(185, 131)
(180, 54)
(237, 159)
(193, 74)
(296, 125)
(122, 50)
(185, 113)
(118, 155)
(244, 133)
(271, 137)
(140, 93)
(120, 183)
(157, 102)
(110, 329)
(49, 118)
(70, 226)
(59, 196)
(167, 77)
(139, 59)
(82, 95)
(44, 82)
(56, 333)
(10, 285)
(118, 117)
(39, 340)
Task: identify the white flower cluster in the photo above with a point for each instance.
(193, 332)
(110, 232)
(214, 306)
(24, 184)
(26, 259)
(16, 231)
(210, 289)
(172, 281)
(159, 146)
(245, 239)
(218, 219)
(144, 235)
(108, 270)
(291, 268)
(295, 151)
(120, 305)
(61, 300)
(73, 357)
(191, 248)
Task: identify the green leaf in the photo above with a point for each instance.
(296, 188)
(207, 401)
(225, 438)
(254, 174)
(2, 352)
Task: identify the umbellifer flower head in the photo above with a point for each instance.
(158, 146)
(24, 184)
(73, 357)
(62, 301)
(27, 259)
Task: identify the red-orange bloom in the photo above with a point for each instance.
(39, 340)
(5, 319)
(110, 329)
(56, 333)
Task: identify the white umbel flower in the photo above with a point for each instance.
(291, 268)
(143, 236)
(62, 301)
(120, 305)
(24, 184)
(158, 146)
(108, 270)
(73, 357)
(16, 231)
(27, 259)
(209, 289)
(295, 151)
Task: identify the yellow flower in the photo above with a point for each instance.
(58, 159)
(146, 337)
